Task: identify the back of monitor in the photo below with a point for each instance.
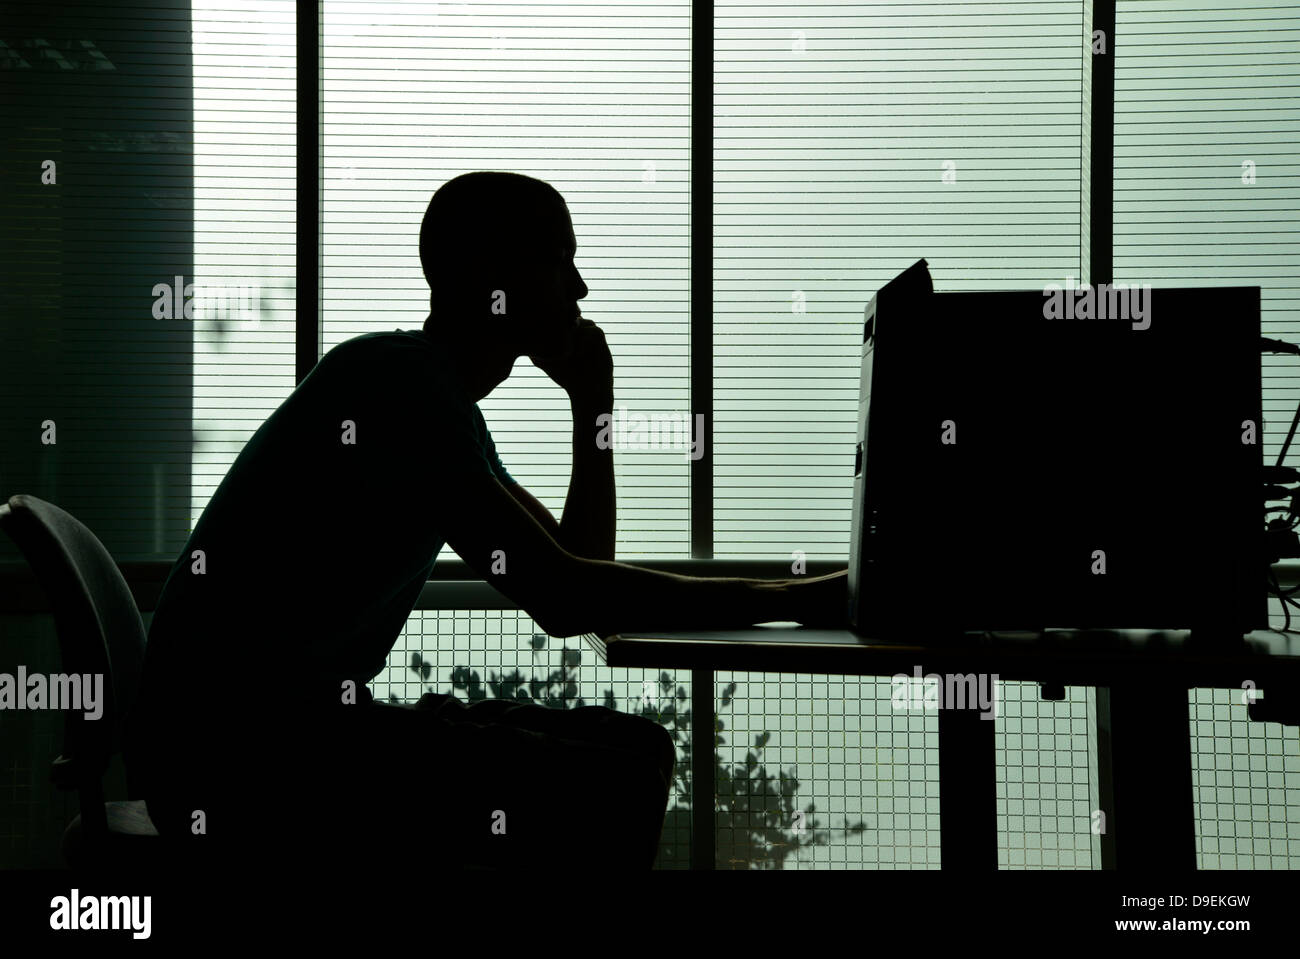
(1023, 472)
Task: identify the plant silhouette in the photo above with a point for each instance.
(755, 810)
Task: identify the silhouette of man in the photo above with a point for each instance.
(255, 736)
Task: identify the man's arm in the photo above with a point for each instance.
(586, 374)
(570, 584)
(568, 595)
(536, 508)
(587, 528)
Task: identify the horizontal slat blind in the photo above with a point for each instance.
(244, 225)
(96, 210)
(594, 99)
(1206, 99)
(171, 127)
(835, 126)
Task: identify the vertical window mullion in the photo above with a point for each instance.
(307, 312)
(1101, 138)
(700, 338)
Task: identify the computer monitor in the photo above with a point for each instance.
(1023, 464)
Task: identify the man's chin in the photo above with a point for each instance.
(560, 342)
(553, 339)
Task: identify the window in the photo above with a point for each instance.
(1206, 194)
(245, 197)
(851, 141)
(1206, 174)
(848, 140)
(593, 100)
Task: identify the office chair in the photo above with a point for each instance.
(100, 631)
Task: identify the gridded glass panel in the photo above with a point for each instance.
(835, 749)
(822, 772)
(1246, 777)
(1047, 778)
(503, 654)
(865, 775)
(1246, 781)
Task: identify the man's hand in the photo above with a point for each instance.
(587, 369)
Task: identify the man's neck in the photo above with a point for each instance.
(478, 367)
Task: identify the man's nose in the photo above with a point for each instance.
(582, 286)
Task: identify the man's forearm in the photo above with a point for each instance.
(587, 525)
(619, 597)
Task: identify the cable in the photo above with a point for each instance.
(1285, 595)
(1277, 589)
(1281, 346)
(1286, 444)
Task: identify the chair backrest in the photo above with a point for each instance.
(99, 626)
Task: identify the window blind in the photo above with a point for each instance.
(245, 145)
(97, 212)
(592, 99)
(851, 140)
(148, 310)
(1207, 181)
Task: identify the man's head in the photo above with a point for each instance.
(497, 251)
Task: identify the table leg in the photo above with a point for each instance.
(1149, 742)
(968, 810)
(703, 758)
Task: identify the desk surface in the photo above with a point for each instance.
(1070, 657)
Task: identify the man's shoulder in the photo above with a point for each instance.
(401, 358)
(416, 343)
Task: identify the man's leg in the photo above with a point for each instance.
(224, 811)
(377, 779)
(519, 797)
(592, 724)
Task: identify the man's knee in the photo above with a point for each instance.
(658, 744)
(652, 740)
(668, 754)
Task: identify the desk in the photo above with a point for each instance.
(1144, 744)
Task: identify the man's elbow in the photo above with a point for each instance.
(571, 606)
(560, 620)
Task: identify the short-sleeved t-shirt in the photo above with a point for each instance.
(317, 542)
